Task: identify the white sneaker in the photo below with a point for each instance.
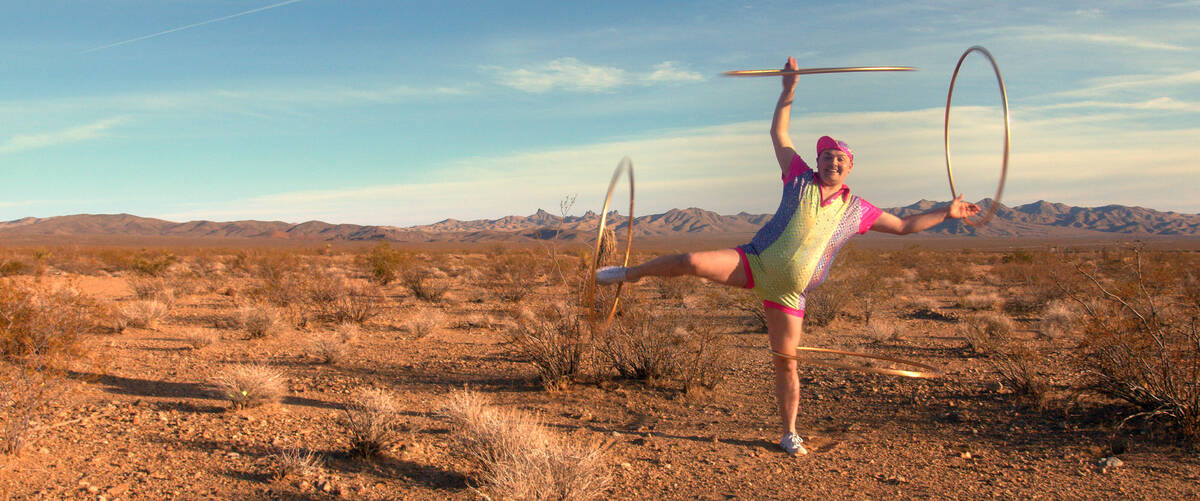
(793, 444)
(610, 275)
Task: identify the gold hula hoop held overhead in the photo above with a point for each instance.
(926, 371)
(625, 167)
(813, 71)
(991, 210)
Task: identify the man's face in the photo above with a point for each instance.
(834, 166)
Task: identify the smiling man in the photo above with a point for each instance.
(791, 255)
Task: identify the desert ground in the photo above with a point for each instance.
(380, 372)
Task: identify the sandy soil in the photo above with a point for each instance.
(144, 424)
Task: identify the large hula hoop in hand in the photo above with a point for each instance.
(624, 167)
(991, 210)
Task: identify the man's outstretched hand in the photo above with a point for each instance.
(959, 209)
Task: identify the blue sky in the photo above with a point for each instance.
(403, 113)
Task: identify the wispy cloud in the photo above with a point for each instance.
(730, 168)
(193, 25)
(1056, 33)
(1108, 85)
(25, 142)
(1157, 104)
(572, 75)
(236, 100)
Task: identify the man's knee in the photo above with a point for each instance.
(687, 264)
(783, 364)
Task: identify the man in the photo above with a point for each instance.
(792, 253)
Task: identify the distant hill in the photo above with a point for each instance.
(1036, 220)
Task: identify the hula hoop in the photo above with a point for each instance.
(928, 371)
(813, 71)
(624, 167)
(991, 210)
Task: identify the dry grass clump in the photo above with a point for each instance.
(519, 458)
(880, 330)
(985, 332)
(424, 321)
(555, 339)
(260, 321)
(144, 313)
(641, 344)
(979, 301)
(147, 287)
(1058, 319)
(200, 338)
(249, 385)
(329, 349)
(348, 332)
(294, 462)
(372, 420)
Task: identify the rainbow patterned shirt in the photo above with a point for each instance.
(792, 253)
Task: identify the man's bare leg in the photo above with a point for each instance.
(784, 332)
(721, 266)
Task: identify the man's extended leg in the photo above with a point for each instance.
(723, 266)
(784, 332)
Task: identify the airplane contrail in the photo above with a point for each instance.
(181, 28)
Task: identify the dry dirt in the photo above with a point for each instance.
(143, 423)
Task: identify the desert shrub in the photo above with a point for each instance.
(420, 280)
(150, 287)
(42, 321)
(641, 345)
(200, 338)
(28, 392)
(519, 458)
(249, 385)
(555, 339)
(512, 276)
(359, 305)
(674, 289)
(1142, 343)
(752, 306)
(327, 349)
(986, 332)
(1016, 364)
(294, 461)
(424, 321)
(9, 268)
(260, 321)
(383, 263)
(372, 421)
(828, 301)
(152, 264)
(704, 355)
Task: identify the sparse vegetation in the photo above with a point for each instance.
(294, 462)
(372, 421)
(249, 385)
(260, 321)
(518, 458)
(556, 340)
(144, 313)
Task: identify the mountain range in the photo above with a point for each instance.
(1035, 220)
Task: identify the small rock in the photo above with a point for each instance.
(44, 450)
(616, 433)
(965, 455)
(626, 466)
(1110, 462)
(233, 454)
